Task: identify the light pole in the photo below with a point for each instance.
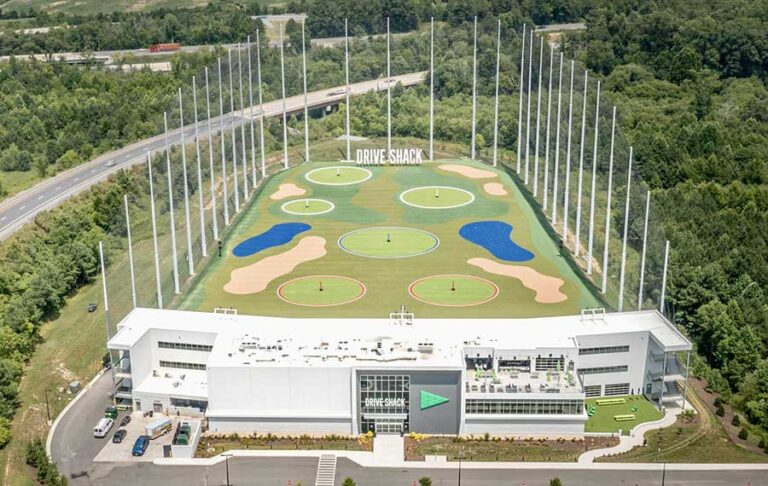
(226, 464)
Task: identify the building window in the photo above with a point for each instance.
(617, 389)
(546, 364)
(384, 399)
(524, 407)
(604, 350)
(181, 365)
(185, 346)
(603, 369)
(201, 405)
(592, 390)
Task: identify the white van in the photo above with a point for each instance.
(103, 427)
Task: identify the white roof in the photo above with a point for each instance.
(244, 340)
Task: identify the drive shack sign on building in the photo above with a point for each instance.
(385, 403)
(407, 156)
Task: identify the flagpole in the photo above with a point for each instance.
(577, 231)
(520, 104)
(243, 154)
(604, 287)
(285, 112)
(431, 88)
(170, 207)
(538, 121)
(474, 91)
(187, 219)
(567, 188)
(154, 232)
(223, 150)
(590, 238)
(346, 89)
(201, 208)
(549, 114)
(556, 173)
(130, 250)
(214, 216)
(626, 231)
(306, 106)
(234, 136)
(250, 108)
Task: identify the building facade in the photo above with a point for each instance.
(347, 376)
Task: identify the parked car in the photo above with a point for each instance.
(103, 427)
(111, 163)
(126, 420)
(140, 446)
(92, 307)
(110, 412)
(119, 436)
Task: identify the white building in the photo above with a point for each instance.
(346, 376)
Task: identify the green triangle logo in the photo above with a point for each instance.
(429, 400)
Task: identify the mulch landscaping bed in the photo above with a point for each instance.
(212, 445)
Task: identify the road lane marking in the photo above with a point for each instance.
(57, 188)
(23, 207)
(76, 179)
(3, 218)
(40, 197)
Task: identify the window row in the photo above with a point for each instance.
(603, 369)
(524, 407)
(184, 346)
(604, 350)
(592, 390)
(617, 389)
(181, 365)
(545, 364)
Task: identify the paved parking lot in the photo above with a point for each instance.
(122, 452)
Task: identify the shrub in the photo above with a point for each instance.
(487, 437)
(718, 402)
(762, 444)
(720, 411)
(425, 481)
(736, 421)
(556, 482)
(743, 433)
(47, 474)
(348, 482)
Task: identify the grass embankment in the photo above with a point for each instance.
(694, 438)
(490, 449)
(212, 445)
(603, 420)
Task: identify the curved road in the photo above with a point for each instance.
(22, 207)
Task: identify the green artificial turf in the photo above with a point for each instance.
(375, 203)
(603, 420)
(454, 290)
(321, 290)
(436, 197)
(338, 175)
(388, 242)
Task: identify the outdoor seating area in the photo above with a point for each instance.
(515, 381)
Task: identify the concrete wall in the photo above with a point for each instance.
(524, 425)
(635, 359)
(277, 425)
(279, 391)
(188, 451)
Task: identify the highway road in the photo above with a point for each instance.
(112, 56)
(21, 208)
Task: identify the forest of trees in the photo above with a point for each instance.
(689, 77)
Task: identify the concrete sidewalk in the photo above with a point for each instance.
(635, 438)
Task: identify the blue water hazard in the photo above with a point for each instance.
(277, 235)
(495, 236)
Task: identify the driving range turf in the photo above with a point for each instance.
(399, 253)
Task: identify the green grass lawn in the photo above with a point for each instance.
(374, 202)
(603, 420)
(98, 6)
(16, 181)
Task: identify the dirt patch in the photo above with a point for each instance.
(547, 288)
(708, 399)
(255, 277)
(468, 171)
(287, 190)
(495, 189)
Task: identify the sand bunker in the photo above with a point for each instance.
(547, 288)
(287, 190)
(255, 277)
(468, 171)
(495, 189)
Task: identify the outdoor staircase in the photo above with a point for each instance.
(326, 470)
